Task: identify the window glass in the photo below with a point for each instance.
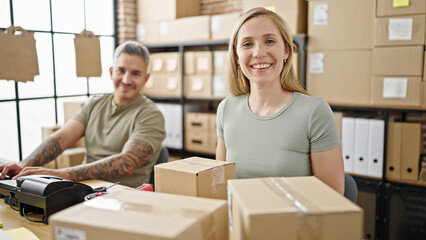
(35, 114)
(4, 14)
(104, 84)
(32, 14)
(67, 82)
(61, 101)
(42, 85)
(7, 89)
(100, 16)
(68, 16)
(8, 131)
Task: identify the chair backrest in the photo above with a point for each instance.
(351, 189)
(163, 158)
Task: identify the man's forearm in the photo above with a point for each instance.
(46, 152)
(135, 153)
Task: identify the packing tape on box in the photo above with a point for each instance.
(218, 171)
(206, 219)
(309, 224)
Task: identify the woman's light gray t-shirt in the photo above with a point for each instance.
(276, 145)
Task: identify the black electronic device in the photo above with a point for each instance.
(44, 194)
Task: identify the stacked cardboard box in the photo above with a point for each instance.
(171, 21)
(398, 56)
(200, 132)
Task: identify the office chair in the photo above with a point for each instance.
(163, 158)
(351, 189)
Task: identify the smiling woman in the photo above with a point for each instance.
(271, 127)
(21, 103)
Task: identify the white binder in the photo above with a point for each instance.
(175, 117)
(376, 147)
(348, 137)
(362, 127)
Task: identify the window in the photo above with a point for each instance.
(26, 107)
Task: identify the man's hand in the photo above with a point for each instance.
(42, 171)
(11, 169)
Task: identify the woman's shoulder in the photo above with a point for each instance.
(306, 99)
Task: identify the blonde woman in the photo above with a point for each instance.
(270, 127)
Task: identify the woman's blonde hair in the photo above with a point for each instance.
(239, 84)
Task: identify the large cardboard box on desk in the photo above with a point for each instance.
(194, 176)
(291, 208)
(134, 215)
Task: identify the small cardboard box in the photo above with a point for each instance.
(387, 7)
(194, 176)
(147, 33)
(71, 157)
(398, 61)
(153, 11)
(396, 91)
(220, 61)
(402, 30)
(131, 215)
(196, 28)
(222, 25)
(294, 207)
(198, 86)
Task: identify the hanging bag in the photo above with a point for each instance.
(87, 54)
(18, 55)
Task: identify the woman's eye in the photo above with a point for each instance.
(247, 44)
(270, 41)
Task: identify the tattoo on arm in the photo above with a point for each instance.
(134, 154)
(46, 152)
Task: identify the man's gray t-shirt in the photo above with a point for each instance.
(276, 145)
(109, 127)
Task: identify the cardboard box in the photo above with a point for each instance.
(165, 62)
(220, 61)
(197, 122)
(220, 85)
(198, 86)
(423, 99)
(222, 25)
(70, 109)
(147, 33)
(340, 76)
(204, 62)
(387, 8)
(195, 28)
(71, 157)
(153, 85)
(130, 214)
(169, 31)
(153, 11)
(199, 142)
(396, 91)
(395, 31)
(336, 24)
(398, 61)
(424, 68)
(293, 11)
(393, 154)
(189, 65)
(194, 176)
(294, 207)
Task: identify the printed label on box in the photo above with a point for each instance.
(218, 86)
(215, 24)
(316, 63)
(400, 29)
(157, 65)
(150, 82)
(395, 87)
(197, 84)
(218, 60)
(321, 14)
(62, 233)
(164, 28)
(172, 83)
(171, 64)
(202, 64)
(141, 32)
(401, 3)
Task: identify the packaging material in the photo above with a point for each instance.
(154, 11)
(332, 76)
(396, 91)
(70, 109)
(147, 33)
(194, 176)
(393, 154)
(196, 28)
(18, 55)
(222, 25)
(293, 11)
(130, 214)
(395, 8)
(294, 207)
(401, 30)
(398, 61)
(87, 54)
(336, 24)
(71, 157)
(198, 86)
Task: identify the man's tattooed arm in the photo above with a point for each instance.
(46, 152)
(134, 154)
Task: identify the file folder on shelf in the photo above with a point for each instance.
(348, 137)
(376, 147)
(361, 146)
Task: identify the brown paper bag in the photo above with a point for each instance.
(87, 54)
(18, 55)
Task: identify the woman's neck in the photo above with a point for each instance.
(266, 102)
